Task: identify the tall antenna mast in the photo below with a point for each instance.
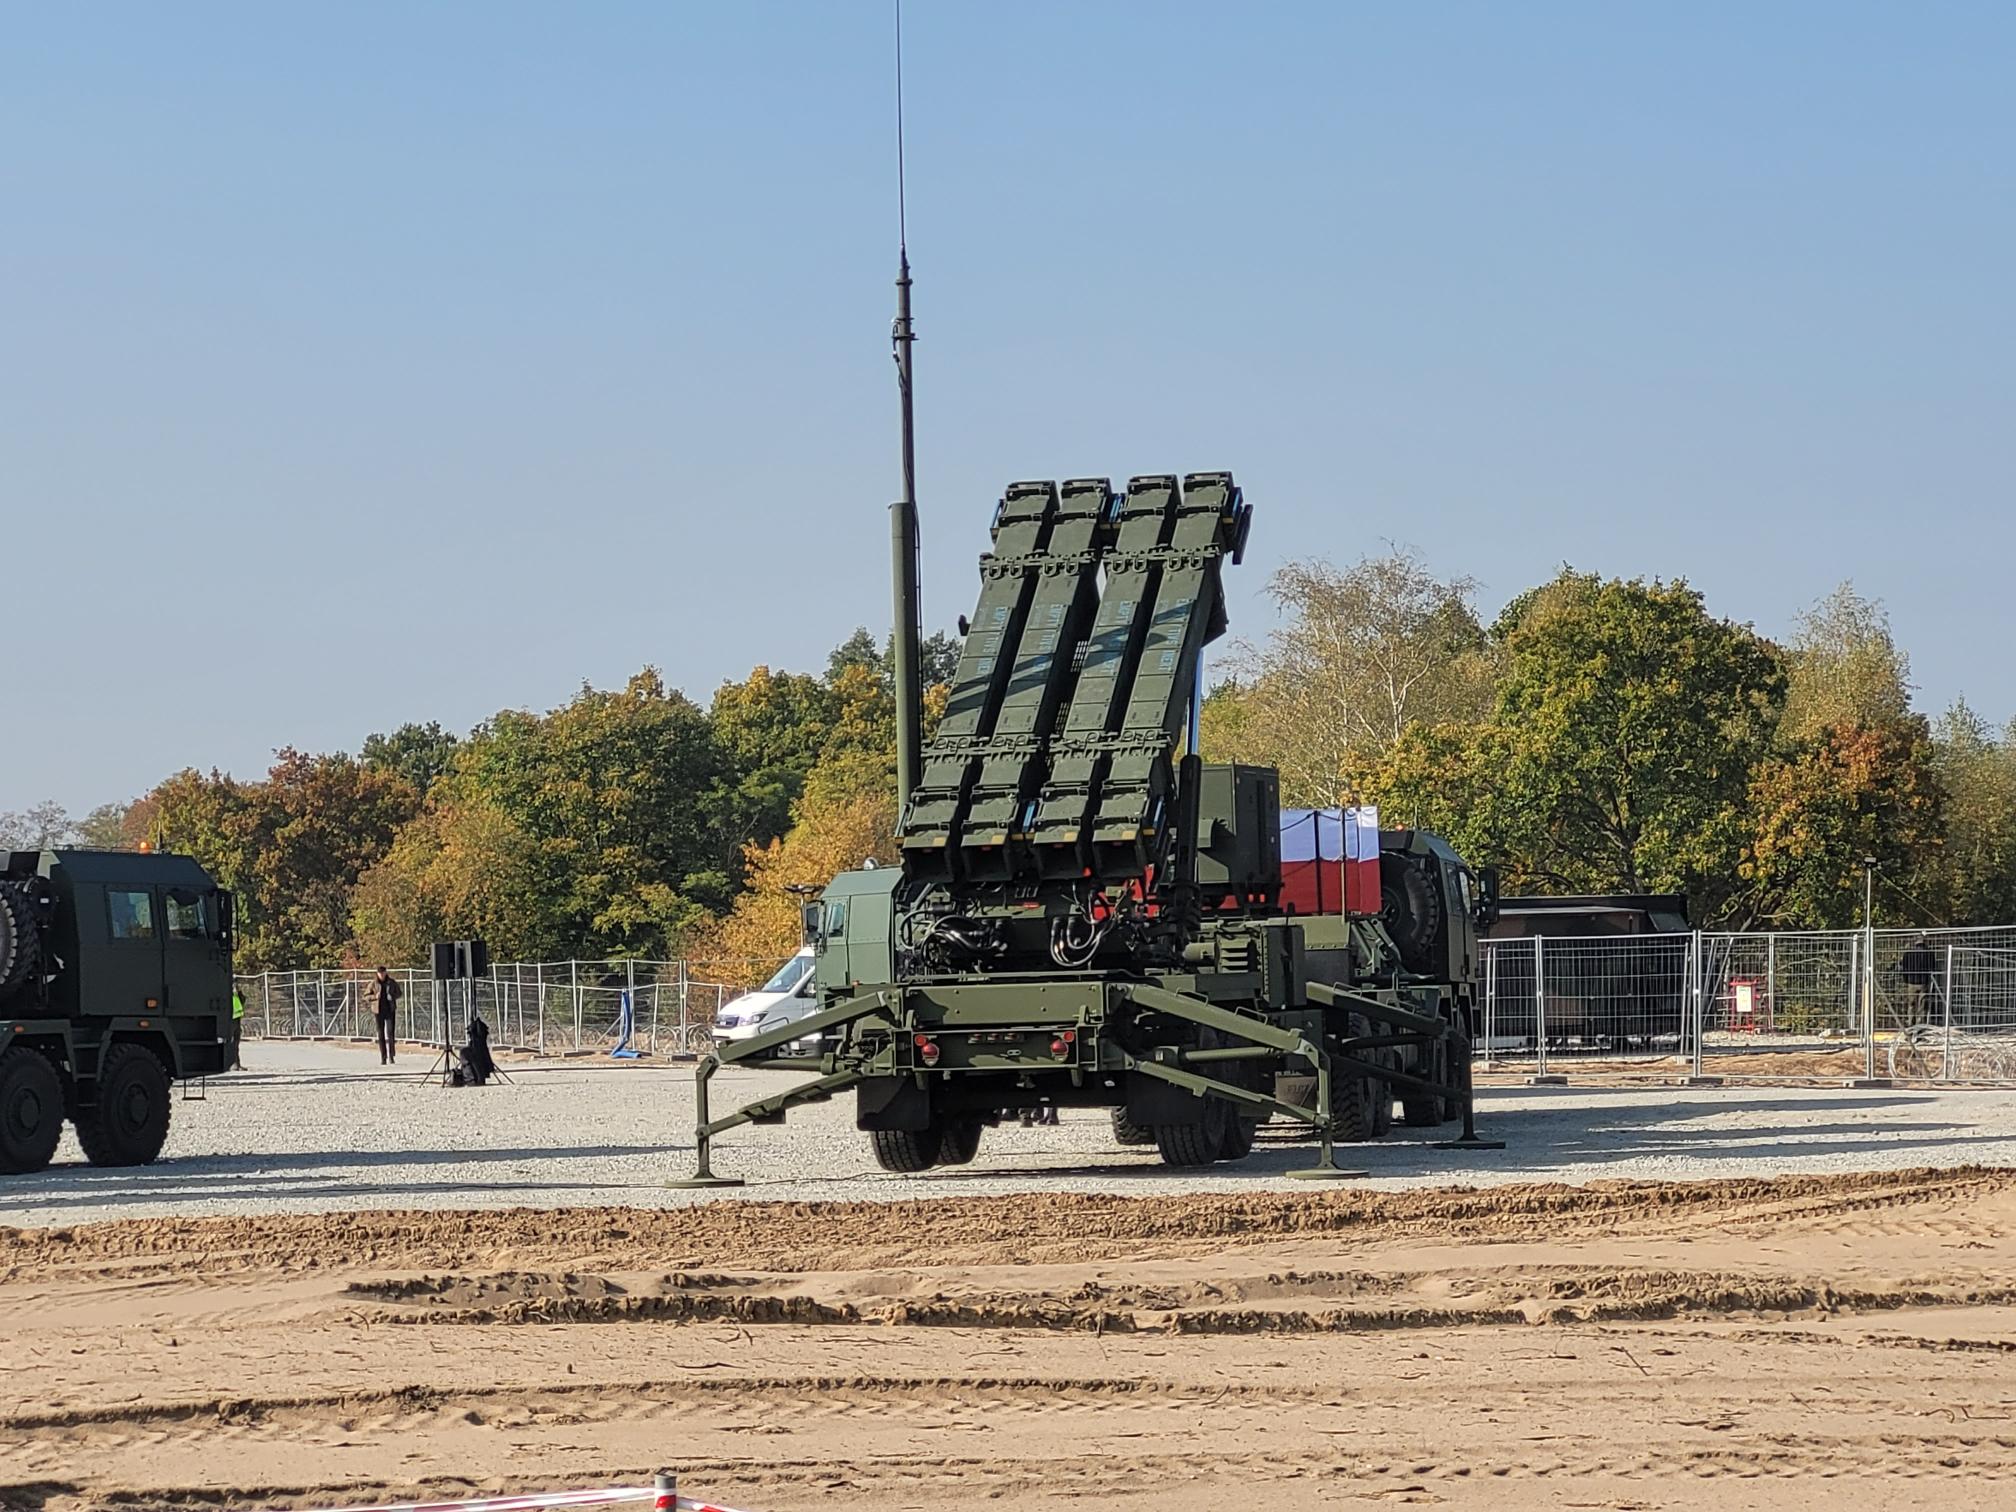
(903, 514)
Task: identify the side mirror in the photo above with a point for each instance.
(226, 916)
(1487, 897)
(809, 923)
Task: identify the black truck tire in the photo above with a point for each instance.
(128, 1123)
(1424, 1110)
(31, 1110)
(1187, 1147)
(906, 1149)
(1128, 1132)
(959, 1142)
(1239, 1131)
(1411, 909)
(1459, 1077)
(20, 946)
(1382, 1098)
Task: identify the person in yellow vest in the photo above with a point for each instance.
(237, 1026)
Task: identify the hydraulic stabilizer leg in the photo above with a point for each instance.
(1469, 1139)
(703, 1133)
(1326, 1124)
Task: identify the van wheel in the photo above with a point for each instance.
(907, 1150)
(31, 1110)
(128, 1123)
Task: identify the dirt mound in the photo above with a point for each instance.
(789, 1237)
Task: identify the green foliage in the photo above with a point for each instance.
(1823, 802)
(1366, 655)
(39, 827)
(422, 754)
(1844, 668)
(291, 847)
(1971, 878)
(621, 799)
(1618, 753)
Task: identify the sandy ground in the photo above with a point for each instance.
(316, 1128)
(1739, 1344)
(341, 1286)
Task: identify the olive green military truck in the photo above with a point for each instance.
(1085, 915)
(115, 981)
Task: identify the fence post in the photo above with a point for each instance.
(1771, 980)
(574, 987)
(1490, 997)
(685, 1017)
(1854, 977)
(1697, 981)
(1869, 1002)
(1540, 1001)
(1948, 1071)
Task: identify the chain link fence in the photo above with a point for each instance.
(622, 1007)
(1919, 1005)
(1914, 1005)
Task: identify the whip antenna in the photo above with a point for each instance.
(906, 632)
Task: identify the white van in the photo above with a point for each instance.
(788, 996)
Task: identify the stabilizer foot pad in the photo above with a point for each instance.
(1325, 1173)
(704, 1181)
(1467, 1144)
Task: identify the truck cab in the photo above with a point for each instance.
(115, 981)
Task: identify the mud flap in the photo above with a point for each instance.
(892, 1102)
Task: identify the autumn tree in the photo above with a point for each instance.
(1971, 877)
(1367, 654)
(38, 827)
(1620, 746)
(1819, 805)
(422, 754)
(1843, 669)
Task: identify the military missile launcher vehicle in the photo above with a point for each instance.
(1088, 915)
(115, 981)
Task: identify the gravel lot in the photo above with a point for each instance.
(320, 1127)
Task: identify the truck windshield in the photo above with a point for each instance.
(185, 919)
(788, 975)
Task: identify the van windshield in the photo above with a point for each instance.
(789, 975)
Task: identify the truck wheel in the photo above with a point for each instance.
(1238, 1138)
(1412, 911)
(1424, 1110)
(906, 1149)
(1128, 1132)
(1459, 1075)
(959, 1142)
(129, 1122)
(19, 944)
(1382, 1099)
(31, 1110)
(1188, 1146)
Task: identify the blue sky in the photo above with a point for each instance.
(369, 363)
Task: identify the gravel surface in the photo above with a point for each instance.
(321, 1128)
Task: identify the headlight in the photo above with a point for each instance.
(758, 1017)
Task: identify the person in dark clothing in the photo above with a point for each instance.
(477, 1063)
(385, 1005)
(1919, 970)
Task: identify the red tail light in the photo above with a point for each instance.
(1061, 1046)
(927, 1048)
